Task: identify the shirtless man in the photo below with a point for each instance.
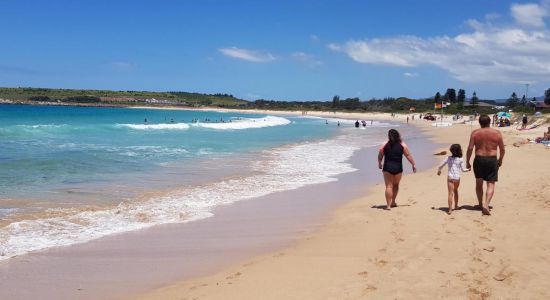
(485, 140)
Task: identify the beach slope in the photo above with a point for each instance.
(415, 251)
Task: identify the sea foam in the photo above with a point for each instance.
(284, 168)
(245, 123)
(162, 126)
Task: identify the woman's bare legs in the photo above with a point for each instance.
(388, 181)
(392, 188)
(396, 180)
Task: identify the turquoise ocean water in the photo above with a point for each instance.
(72, 174)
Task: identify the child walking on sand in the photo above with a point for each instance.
(455, 163)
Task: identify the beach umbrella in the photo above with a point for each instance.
(503, 114)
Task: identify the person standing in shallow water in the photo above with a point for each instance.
(391, 153)
(485, 141)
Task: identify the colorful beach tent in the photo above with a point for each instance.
(503, 114)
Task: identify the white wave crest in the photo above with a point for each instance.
(245, 123)
(171, 126)
(285, 168)
(369, 123)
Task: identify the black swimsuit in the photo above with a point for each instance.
(393, 158)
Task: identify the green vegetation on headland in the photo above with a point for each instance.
(122, 98)
(454, 102)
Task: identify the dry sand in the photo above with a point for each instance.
(415, 251)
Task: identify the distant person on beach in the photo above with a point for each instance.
(524, 121)
(455, 164)
(485, 141)
(392, 153)
(357, 124)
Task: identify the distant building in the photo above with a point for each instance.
(540, 105)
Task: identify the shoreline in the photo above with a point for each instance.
(413, 251)
(80, 255)
(338, 114)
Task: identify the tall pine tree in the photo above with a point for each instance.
(461, 98)
(513, 100)
(437, 98)
(475, 100)
(450, 95)
(523, 101)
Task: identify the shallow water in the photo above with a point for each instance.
(74, 174)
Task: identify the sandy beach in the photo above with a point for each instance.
(415, 251)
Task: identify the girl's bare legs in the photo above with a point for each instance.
(456, 185)
(451, 196)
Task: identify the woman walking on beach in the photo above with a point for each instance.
(392, 153)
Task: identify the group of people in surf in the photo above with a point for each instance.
(363, 122)
(485, 142)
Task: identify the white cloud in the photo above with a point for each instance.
(489, 53)
(408, 74)
(307, 59)
(492, 16)
(530, 14)
(334, 47)
(314, 38)
(248, 55)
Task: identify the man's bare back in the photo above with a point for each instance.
(486, 141)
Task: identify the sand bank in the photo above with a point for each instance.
(415, 251)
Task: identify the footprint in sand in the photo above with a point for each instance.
(461, 276)
(489, 249)
(380, 262)
(370, 288)
(503, 274)
(234, 275)
(477, 294)
(363, 274)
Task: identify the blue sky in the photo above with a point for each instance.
(282, 50)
